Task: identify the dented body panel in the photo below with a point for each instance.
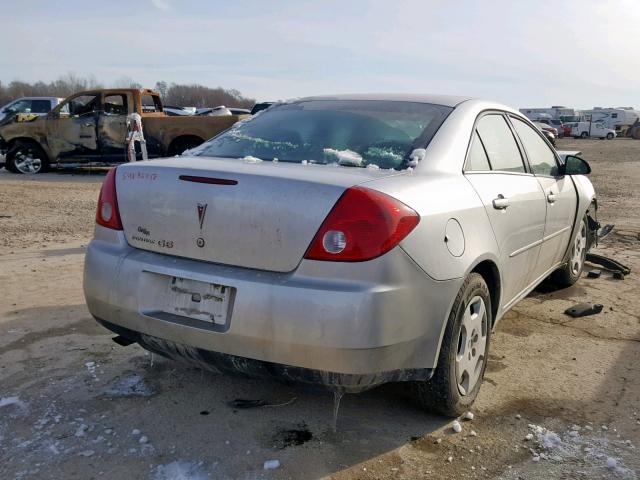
(96, 131)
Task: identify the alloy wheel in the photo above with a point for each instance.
(27, 162)
(472, 345)
(579, 250)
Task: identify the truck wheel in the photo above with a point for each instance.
(26, 157)
(463, 353)
(569, 274)
(609, 136)
(584, 135)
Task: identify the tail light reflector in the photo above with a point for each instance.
(108, 214)
(362, 225)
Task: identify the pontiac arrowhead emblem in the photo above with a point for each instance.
(202, 210)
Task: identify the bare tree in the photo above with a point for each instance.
(175, 94)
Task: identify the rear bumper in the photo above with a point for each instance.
(351, 325)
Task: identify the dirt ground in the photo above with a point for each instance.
(73, 404)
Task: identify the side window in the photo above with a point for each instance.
(477, 160)
(21, 106)
(499, 143)
(541, 157)
(80, 105)
(151, 104)
(40, 106)
(115, 104)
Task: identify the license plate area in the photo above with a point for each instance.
(208, 302)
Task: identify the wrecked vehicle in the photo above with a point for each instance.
(93, 126)
(346, 241)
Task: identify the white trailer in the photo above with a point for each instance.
(614, 118)
(564, 114)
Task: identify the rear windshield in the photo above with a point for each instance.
(354, 133)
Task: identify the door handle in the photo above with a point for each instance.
(551, 197)
(500, 203)
(87, 124)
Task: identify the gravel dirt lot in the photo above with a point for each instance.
(73, 404)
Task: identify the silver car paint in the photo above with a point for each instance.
(382, 315)
(275, 208)
(361, 318)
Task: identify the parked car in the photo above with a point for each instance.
(588, 129)
(33, 105)
(93, 126)
(258, 107)
(548, 131)
(222, 110)
(178, 111)
(346, 241)
(557, 124)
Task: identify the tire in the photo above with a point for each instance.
(609, 136)
(569, 273)
(26, 157)
(584, 135)
(444, 393)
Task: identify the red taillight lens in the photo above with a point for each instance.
(362, 225)
(108, 214)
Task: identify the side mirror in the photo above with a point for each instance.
(575, 166)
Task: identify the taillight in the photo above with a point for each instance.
(362, 225)
(108, 214)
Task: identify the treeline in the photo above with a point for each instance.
(172, 94)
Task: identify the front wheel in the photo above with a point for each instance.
(569, 273)
(584, 135)
(26, 157)
(463, 353)
(609, 136)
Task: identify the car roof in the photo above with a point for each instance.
(444, 100)
(36, 98)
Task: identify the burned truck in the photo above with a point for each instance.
(94, 126)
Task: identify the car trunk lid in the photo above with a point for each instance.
(255, 215)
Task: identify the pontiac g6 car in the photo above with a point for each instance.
(347, 241)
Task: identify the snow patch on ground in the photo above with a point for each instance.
(180, 470)
(13, 404)
(130, 385)
(576, 451)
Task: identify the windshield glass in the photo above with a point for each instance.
(355, 133)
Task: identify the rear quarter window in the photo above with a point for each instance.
(477, 160)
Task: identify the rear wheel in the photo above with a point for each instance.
(584, 135)
(463, 353)
(569, 274)
(26, 157)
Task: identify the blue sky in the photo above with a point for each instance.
(580, 53)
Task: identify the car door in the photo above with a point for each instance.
(112, 126)
(560, 194)
(72, 128)
(513, 201)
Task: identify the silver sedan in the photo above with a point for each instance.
(346, 240)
